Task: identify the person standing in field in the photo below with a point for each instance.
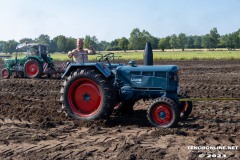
(79, 54)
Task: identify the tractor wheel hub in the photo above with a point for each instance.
(86, 97)
(162, 115)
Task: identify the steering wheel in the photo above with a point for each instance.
(106, 57)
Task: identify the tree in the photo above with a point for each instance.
(5, 47)
(61, 43)
(1, 45)
(24, 40)
(168, 42)
(113, 46)
(238, 33)
(87, 41)
(206, 41)
(115, 42)
(154, 42)
(147, 37)
(173, 41)
(139, 39)
(214, 38)
(70, 44)
(222, 41)
(190, 42)
(162, 44)
(182, 41)
(10, 46)
(123, 43)
(53, 47)
(93, 41)
(103, 45)
(197, 42)
(236, 40)
(231, 41)
(43, 39)
(135, 40)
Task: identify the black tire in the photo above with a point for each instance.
(5, 73)
(166, 108)
(185, 106)
(33, 68)
(91, 87)
(123, 108)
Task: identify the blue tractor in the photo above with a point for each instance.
(93, 90)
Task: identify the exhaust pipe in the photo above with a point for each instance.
(148, 55)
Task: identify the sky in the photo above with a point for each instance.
(111, 19)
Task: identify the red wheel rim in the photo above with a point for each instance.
(84, 97)
(162, 114)
(32, 69)
(5, 73)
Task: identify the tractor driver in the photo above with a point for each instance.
(34, 51)
(80, 54)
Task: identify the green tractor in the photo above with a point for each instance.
(34, 65)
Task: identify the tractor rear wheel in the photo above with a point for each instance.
(185, 106)
(124, 107)
(33, 68)
(163, 113)
(5, 73)
(87, 95)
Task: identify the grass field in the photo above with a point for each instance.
(158, 55)
(187, 55)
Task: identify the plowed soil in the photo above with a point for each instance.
(32, 125)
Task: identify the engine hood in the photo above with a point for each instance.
(167, 68)
(158, 77)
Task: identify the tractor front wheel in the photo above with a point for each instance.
(87, 95)
(5, 73)
(33, 68)
(163, 113)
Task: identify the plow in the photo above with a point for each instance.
(36, 64)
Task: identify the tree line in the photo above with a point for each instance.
(136, 41)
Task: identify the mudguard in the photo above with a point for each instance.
(99, 66)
